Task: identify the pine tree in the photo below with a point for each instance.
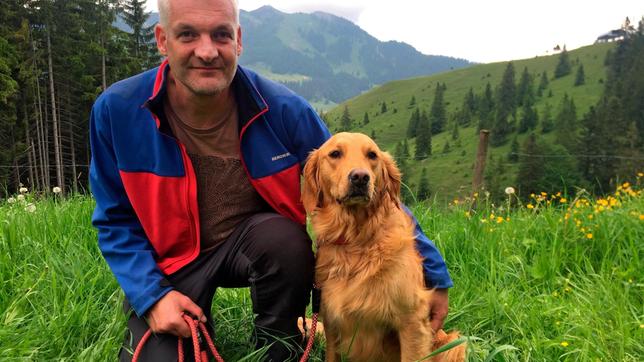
(446, 148)
(373, 134)
(513, 156)
(424, 138)
(525, 92)
(506, 105)
(566, 124)
(530, 167)
(547, 124)
(412, 128)
(345, 120)
(412, 101)
(423, 186)
(437, 114)
(455, 132)
(142, 36)
(543, 84)
(563, 67)
(580, 78)
(486, 108)
(365, 119)
(529, 118)
(383, 107)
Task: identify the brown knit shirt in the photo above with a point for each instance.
(224, 193)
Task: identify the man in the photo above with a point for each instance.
(196, 170)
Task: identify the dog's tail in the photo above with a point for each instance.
(455, 354)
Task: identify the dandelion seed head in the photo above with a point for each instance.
(509, 190)
(30, 208)
(20, 197)
(11, 200)
(56, 190)
(23, 190)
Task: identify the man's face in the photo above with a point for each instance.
(202, 41)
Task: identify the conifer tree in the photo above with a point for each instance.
(563, 67)
(513, 156)
(142, 36)
(412, 101)
(486, 108)
(365, 119)
(412, 128)
(543, 84)
(455, 132)
(423, 186)
(566, 124)
(423, 138)
(580, 78)
(525, 92)
(530, 167)
(529, 118)
(547, 124)
(345, 120)
(506, 105)
(446, 148)
(437, 114)
(383, 107)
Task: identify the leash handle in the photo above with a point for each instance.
(197, 330)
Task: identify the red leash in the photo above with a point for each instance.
(201, 356)
(195, 328)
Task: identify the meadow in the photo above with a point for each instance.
(554, 279)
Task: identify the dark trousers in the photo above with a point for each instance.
(268, 253)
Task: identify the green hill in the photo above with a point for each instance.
(450, 173)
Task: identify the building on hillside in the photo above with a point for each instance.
(613, 35)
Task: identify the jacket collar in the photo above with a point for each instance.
(250, 102)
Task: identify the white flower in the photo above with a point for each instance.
(21, 197)
(11, 200)
(30, 207)
(509, 190)
(23, 190)
(56, 190)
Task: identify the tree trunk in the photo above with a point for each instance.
(57, 154)
(30, 160)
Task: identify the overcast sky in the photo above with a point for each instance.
(477, 30)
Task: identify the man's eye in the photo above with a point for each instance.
(335, 154)
(220, 35)
(186, 35)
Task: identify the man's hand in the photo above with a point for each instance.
(166, 316)
(438, 308)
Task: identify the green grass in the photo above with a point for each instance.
(452, 172)
(531, 288)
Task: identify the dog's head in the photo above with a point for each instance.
(350, 170)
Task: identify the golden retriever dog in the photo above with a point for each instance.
(375, 306)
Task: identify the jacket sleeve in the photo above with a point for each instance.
(121, 238)
(434, 267)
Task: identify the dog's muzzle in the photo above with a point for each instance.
(358, 192)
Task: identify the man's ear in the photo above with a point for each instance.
(161, 38)
(312, 195)
(239, 41)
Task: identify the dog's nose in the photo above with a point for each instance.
(359, 177)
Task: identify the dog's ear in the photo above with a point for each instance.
(391, 178)
(312, 195)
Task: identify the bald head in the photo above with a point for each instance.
(164, 10)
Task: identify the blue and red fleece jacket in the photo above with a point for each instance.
(145, 186)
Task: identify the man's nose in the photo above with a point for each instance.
(206, 50)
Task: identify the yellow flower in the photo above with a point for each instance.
(590, 216)
(562, 200)
(640, 174)
(499, 219)
(564, 344)
(530, 206)
(558, 194)
(467, 213)
(630, 281)
(642, 217)
(567, 289)
(641, 325)
(544, 194)
(626, 185)
(589, 236)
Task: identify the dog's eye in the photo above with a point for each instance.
(372, 155)
(335, 154)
